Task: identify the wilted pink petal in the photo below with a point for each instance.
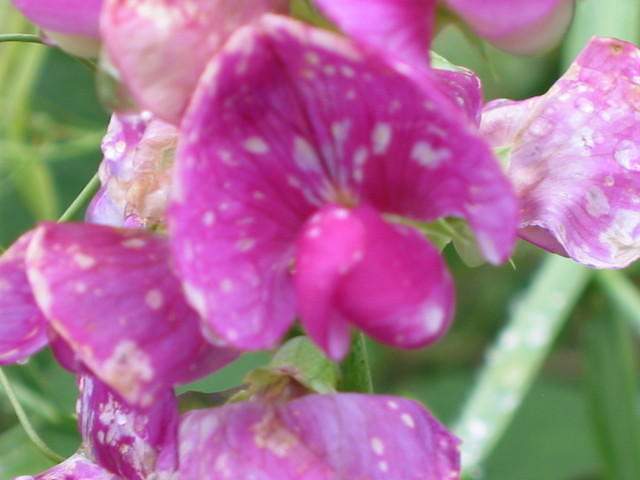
(138, 156)
(76, 467)
(112, 296)
(517, 26)
(318, 437)
(23, 329)
(385, 278)
(162, 46)
(400, 28)
(289, 119)
(121, 439)
(575, 157)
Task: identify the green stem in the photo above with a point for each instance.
(516, 357)
(21, 37)
(82, 200)
(356, 373)
(622, 293)
(24, 420)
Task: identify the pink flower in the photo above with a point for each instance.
(111, 303)
(161, 47)
(575, 157)
(297, 156)
(72, 24)
(404, 28)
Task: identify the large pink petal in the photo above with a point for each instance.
(401, 29)
(575, 159)
(77, 17)
(121, 439)
(353, 267)
(517, 26)
(318, 437)
(162, 46)
(112, 296)
(23, 328)
(77, 467)
(290, 118)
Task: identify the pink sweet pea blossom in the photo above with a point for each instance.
(138, 156)
(575, 157)
(72, 24)
(297, 151)
(113, 304)
(404, 28)
(317, 437)
(161, 47)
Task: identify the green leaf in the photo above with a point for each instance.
(612, 390)
(516, 356)
(356, 373)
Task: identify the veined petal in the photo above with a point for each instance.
(23, 328)
(318, 437)
(138, 158)
(77, 17)
(353, 267)
(401, 29)
(122, 439)
(287, 119)
(517, 26)
(575, 157)
(162, 46)
(112, 296)
(76, 467)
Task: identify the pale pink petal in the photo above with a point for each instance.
(112, 296)
(23, 328)
(122, 439)
(318, 437)
(138, 156)
(575, 157)
(161, 47)
(353, 267)
(77, 17)
(288, 119)
(401, 29)
(517, 26)
(77, 467)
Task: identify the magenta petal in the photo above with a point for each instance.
(23, 328)
(575, 160)
(318, 437)
(112, 296)
(354, 267)
(121, 439)
(289, 118)
(162, 46)
(517, 26)
(76, 467)
(401, 29)
(76, 17)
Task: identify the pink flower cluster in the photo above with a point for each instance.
(276, 171)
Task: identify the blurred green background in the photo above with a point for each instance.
(575, 422)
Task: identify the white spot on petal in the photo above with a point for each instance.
(256, 145)
(154, 299)
(381, 137)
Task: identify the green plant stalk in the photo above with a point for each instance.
(611, 389)
(516, 357)
(356, 373)
(21, 37)
(623, 293)
(82, 200)
(24, 421)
